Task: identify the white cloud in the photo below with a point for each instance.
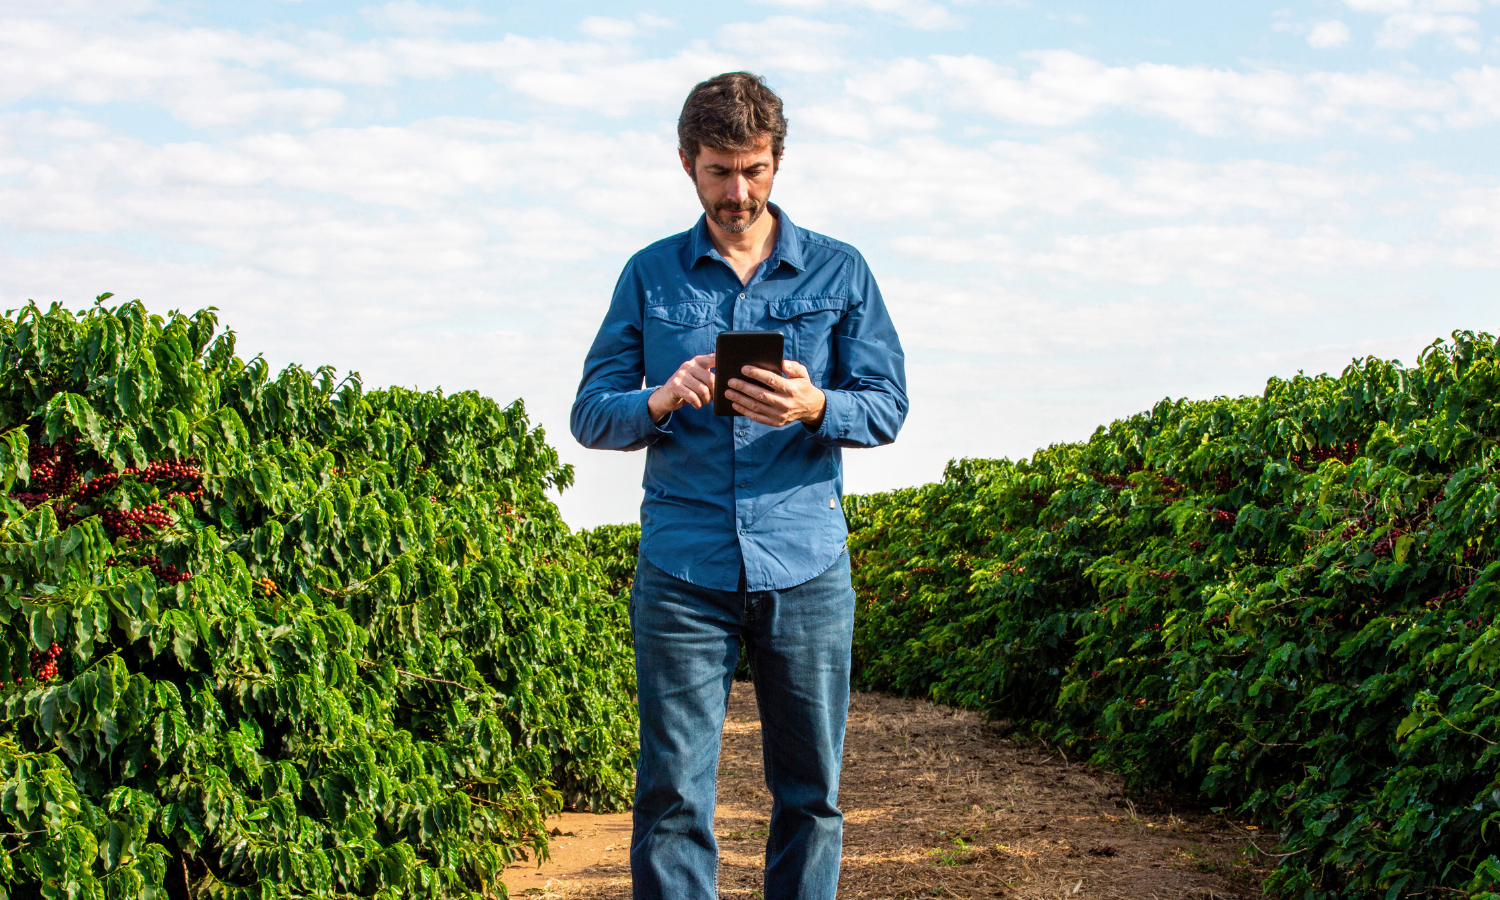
(204, 77)
(422, 18)
(784, 43)
(1407, 21)
(1391, 7)
(1329, 33)
(608, 29)
(1079, 19)
(919, 13)
(1481, 88)
(861, 121)
(1204, 255)
(1061, 89)
(216, 78)
(1403, 30)
(79, 10)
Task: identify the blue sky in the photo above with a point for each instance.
(1074, 209)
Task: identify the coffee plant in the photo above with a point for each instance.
(1286, 602)
(615, 548)
(278, 636)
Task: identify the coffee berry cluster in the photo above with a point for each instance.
(54, 472)
(1344, 453)
(1386, 544)
(127, 523)
(168, 574)
(44, 664)
(55, 476)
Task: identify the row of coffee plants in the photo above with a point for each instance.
(276, 636)
(1286, 602)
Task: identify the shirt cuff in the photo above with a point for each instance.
(649, 430)
(836, 410)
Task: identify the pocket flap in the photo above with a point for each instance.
(792, 307)
(693, 315)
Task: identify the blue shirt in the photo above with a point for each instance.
(725, 491)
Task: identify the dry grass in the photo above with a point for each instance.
(939, 804)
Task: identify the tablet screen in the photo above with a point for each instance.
(736, 349)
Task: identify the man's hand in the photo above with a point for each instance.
(692, 384)
(788, 400)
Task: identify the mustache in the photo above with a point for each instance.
(729, 206)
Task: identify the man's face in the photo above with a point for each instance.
(733, 185)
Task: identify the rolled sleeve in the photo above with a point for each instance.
(837, 408)
(866, 403)
(610, 411)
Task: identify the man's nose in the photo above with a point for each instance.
(739, 189)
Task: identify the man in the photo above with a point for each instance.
(742, 534)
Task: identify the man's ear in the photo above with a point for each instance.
(687, 165)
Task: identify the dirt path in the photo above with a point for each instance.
(936, 804)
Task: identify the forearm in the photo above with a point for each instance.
(869, 417)
(614, 420)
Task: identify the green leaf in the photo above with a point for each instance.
(1402, 547)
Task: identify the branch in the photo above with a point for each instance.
(370, 665)
(1250, 839)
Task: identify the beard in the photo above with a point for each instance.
(716, 211)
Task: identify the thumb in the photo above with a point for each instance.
(794, 368)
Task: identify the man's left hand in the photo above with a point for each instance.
(784, 400)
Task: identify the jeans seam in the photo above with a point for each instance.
(770, 776)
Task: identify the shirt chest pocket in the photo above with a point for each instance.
(808, 323)
(674, 334)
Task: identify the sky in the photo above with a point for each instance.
(1073, 209)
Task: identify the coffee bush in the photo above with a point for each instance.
(277, 636)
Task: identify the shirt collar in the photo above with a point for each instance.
(788, 247)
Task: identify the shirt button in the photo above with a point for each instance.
(742, 296)
(742, 531)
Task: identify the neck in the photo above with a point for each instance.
(754, 243)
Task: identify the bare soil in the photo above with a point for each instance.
(938, 803)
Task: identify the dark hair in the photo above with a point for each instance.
(733, 111)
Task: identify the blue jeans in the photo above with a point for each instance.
(687, 642)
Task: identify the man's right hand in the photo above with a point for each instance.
(692, 384)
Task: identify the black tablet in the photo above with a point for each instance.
(734, 351)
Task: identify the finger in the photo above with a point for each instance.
(754, 416)
(772, 380)
(688, 396)
(775, 404)
(762, 385)
(770, 401)
(747, 388)
(697, 386)
(795, 369)
(700, 383)
(736, 397)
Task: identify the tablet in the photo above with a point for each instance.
(734, 351)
